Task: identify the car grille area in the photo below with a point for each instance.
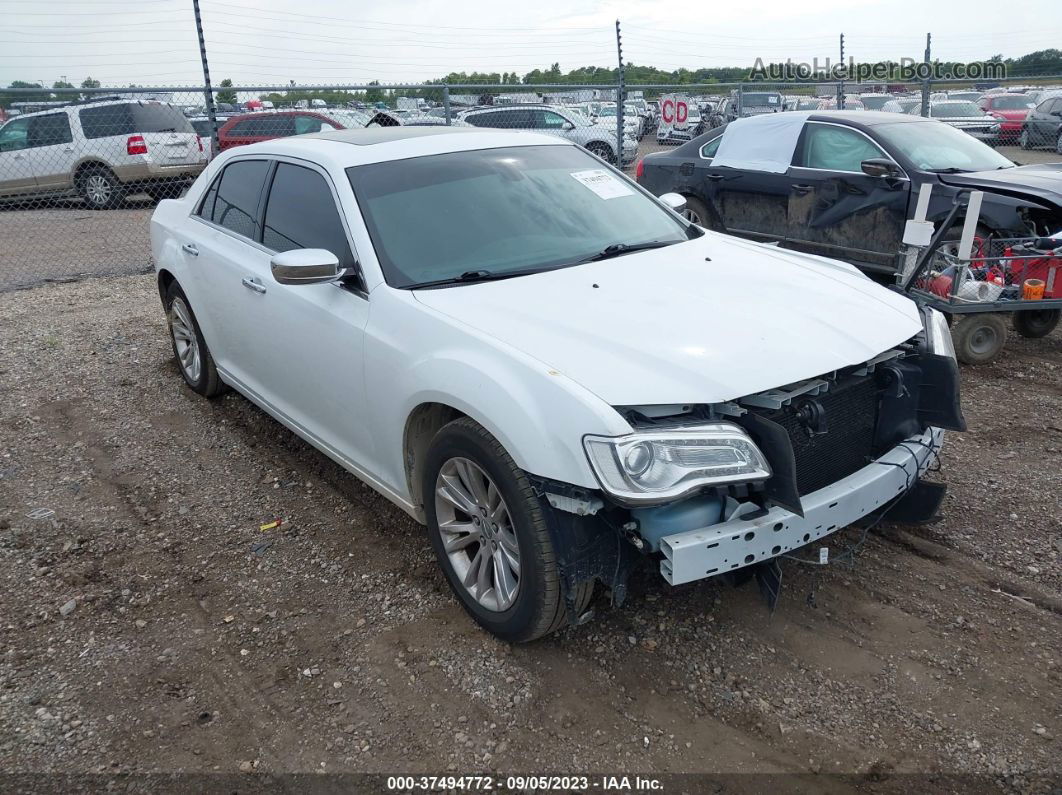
(839, 438)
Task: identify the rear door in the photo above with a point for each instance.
(838, 211)
(51, 151)
(16, 173)
(222, 246)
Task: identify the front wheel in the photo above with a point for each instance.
(490, 536)
(1058, 143)
(603, 151)
(1024, 140)
(1036, 323)
(979, 338)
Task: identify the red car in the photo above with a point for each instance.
(1010, 109)
(251, 128)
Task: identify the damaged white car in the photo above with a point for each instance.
(545, 364)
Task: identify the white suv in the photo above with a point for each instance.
(597, 138)
(101, 150)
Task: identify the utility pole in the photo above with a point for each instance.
(207, 91)
(840, 84)
(925, 81)
(621, 92)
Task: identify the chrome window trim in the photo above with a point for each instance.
(295, 161)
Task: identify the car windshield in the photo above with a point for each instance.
(1011, 102)
(935, 146)
(952, 110)
(874, 103)
(496, 211)
(754, 100)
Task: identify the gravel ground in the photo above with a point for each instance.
(147, 624)
(62, 241)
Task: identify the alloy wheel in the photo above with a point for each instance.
(185, 340)
(691, 216)
(477, 534)
(98, 189)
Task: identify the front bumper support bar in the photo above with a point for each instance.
(723, 547)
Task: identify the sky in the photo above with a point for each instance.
(259, 42)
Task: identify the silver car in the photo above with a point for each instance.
(565, 123)
(964, 115)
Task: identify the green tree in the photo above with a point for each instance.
(88, 82)
(40, 95)
(226, 96)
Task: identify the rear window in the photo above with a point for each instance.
(130, 119)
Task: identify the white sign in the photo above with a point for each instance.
(602, 183)
(674, 112)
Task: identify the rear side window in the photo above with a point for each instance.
(106, 120)
(302, 213)
(50, 130)
(492, 119)
(237, 192)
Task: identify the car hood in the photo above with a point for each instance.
(704, 321)
(1041, 180)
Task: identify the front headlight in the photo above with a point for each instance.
(665, 465)
(938, 335)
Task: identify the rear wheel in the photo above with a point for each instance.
(1024, 140)
(189, 348)
(1058, 143)
(979, 338)
(697, 212)
(100, 189)
(1036, 323)
(604, 151)
(490, 537)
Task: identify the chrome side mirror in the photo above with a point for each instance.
(305, 266)
(674, 201)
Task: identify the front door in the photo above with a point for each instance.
(16, 173)
(836, 210)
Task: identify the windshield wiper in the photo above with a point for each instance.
(619, 249)
(949, 170)
(471, 277)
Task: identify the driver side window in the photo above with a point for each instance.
(14, 135)
(832, 148)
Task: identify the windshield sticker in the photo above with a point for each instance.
(602, 183)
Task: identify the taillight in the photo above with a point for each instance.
(199, 140)
(136, 145)
(639, 170)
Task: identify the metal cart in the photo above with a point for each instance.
(975, 282)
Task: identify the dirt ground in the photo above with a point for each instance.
(147, 624)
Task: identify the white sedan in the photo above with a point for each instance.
(545, 364)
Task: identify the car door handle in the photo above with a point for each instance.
(715, 176)
(189, 248)
(802, 189)
(251, 284)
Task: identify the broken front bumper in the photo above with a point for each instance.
(733, 544)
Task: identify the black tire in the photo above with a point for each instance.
(698, 213)
(539, 606)
(160, 192)
(1025, 140)
(1058, 143)
(207, 383)
(1036, 323)
(100, 189)
(602, 150)
(978, 338)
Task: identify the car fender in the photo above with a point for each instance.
(538, 415)
(1000, 212)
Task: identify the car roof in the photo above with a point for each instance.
(343, 148)
(865, 118)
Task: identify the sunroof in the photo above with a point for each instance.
(382, 135)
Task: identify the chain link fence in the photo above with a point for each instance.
(81, 169)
